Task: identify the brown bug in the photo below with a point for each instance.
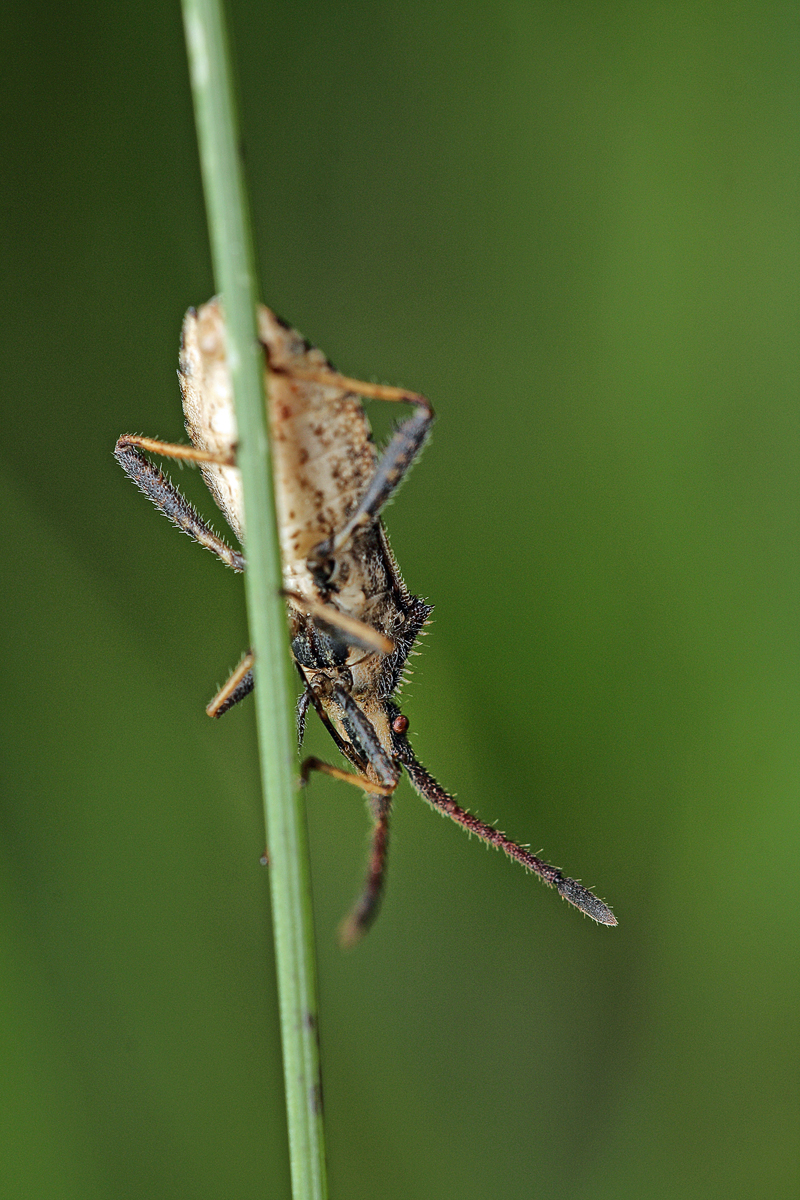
(352, 620)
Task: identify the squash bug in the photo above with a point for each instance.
(353, 622)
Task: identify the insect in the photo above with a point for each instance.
(353, 622)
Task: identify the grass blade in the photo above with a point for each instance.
(233, 258)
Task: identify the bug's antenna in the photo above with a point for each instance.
(444, 803)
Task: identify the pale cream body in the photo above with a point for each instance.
(323, 460)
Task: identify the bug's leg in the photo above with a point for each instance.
(360, 918)
(403, 447)
(363, 735)
(439, 799)
(301, 712)
(162, 491)
(172, 450)
(357, 633)
(238, 685)
(360, 781)
(377, 775)
(364, 911)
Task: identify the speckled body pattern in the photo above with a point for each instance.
(323, 460)
(353, 623)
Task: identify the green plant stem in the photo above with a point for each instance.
(233, 258)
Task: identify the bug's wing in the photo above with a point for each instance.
(208, 406)
(323, 453)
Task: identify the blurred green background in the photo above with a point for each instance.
(574, 227)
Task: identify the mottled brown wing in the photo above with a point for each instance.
(323, 454)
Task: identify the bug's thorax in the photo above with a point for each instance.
(359, 728)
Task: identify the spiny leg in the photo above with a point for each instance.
(404, 446)
(439, 799)
(365, 910)
(362, 735)
(238, 685)
(378, 775)
(361, 731)
(345, 748)
(162, 491)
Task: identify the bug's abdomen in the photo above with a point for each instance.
(323, 454)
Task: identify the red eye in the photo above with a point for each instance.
(400, 724)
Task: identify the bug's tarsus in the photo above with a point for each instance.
(585, 900)
(301, 712)
(321, 565)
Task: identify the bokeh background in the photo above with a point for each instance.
(575, 227)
